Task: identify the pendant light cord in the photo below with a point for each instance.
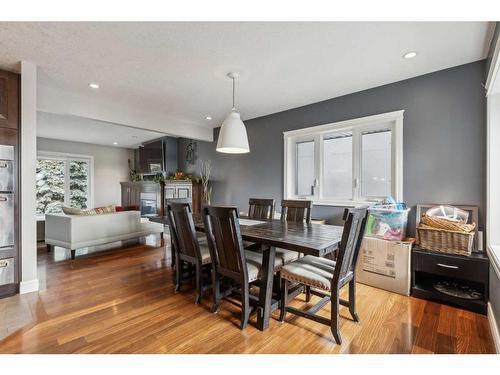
(233, 91)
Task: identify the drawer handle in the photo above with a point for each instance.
(3, 199)
(4, 165)
(447, 266)
(3, 264)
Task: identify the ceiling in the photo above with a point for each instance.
(73, 128)
(167, 77)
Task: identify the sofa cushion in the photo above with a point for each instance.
(72, 210)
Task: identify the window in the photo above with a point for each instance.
(346, 163)
(337, 169)
(305, 168)
(62, 179)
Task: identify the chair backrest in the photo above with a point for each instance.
(224, 241)
(296, 210)
(183, 230)
(352, 236)
(180, 200)
(261, 209)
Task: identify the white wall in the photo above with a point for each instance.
(29, 281)
(110, 166)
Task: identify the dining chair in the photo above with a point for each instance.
(189, 202)
(293, 211)
(260, 209)
(229, 258)
(188, 248)
(321, 274)
(296, 210)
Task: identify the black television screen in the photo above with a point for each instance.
(150, 157)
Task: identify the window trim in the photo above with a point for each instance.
(394, 121)
(67, 157)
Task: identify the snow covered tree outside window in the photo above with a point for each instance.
(78, 183)
(61, 181)
(49, 186)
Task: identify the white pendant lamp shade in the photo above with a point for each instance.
(233, 137)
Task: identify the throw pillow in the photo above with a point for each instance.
(100, 210)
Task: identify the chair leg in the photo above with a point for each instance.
(178, 274)
(215, 292)
(245, 306)
(308, 293)
(352, 300)
(198, 283)
(49, 248)
(334, 324)
(173, 257)
(73, 254)
(284, 299)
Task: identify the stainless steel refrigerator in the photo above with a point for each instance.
(7, 229)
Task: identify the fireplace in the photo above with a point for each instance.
(148, 204)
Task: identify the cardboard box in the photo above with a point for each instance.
(385, 265)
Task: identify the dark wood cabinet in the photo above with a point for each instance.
(9, 100)
(430, 268)
(10, 261)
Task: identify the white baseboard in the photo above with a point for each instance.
(28, 286)
(494, 327)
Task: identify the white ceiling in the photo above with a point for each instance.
(79, 129)
(167, 77)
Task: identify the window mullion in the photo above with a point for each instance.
(66, 183)
(356, 164)
(318, 166)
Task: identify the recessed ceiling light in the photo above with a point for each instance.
(410, 55)
(115, 143)
(93, 85)
(208, 118)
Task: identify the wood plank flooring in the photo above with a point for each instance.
(123, 301)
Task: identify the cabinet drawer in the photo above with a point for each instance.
(451, 266)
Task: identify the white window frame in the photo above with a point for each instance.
(69, 157)
(390, 120)
(492, 157)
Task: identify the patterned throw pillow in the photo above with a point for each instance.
(72, 210)
(100, 210)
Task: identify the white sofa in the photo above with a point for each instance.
(77, 231)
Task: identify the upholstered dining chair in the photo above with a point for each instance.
(188, 249)
(201, 237)
(297, 211)
(229, 258)
(321, 274)
(260, 209)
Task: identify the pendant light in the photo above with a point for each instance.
(233, 137)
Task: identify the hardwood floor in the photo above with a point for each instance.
(123, 301)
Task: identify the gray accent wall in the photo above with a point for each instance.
(444, 142)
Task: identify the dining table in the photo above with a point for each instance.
(306, 238)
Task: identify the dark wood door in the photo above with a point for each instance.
(9, 100)
(9, 135)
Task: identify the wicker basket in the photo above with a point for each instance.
(442, 223)
(445, 241)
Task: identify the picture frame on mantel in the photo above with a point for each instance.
(473, 218)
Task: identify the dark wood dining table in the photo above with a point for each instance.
(310, 239)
